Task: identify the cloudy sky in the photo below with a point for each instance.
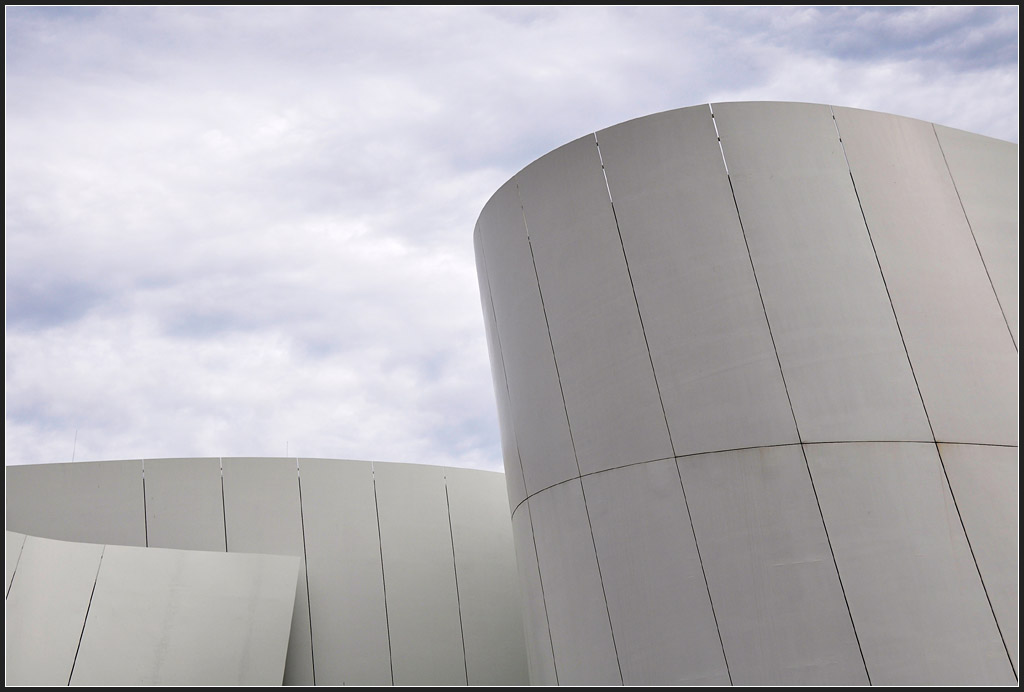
(249, 232)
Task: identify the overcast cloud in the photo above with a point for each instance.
(249, 231)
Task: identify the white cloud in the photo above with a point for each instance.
(229, 231)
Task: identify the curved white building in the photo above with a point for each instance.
(756, 370)
(406, 572)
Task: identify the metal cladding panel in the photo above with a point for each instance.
(419, 575)
(263, 515)
(184, 504)
(844, 361)
(611, 396)
(12, 553)
(961, 351)
(46, 610)
(516, 483)
(769, 568)
(709, 341)
(664, 625)
(489, 600)
(984, 171)
(539, 656)
(346, 581)
(537, 410)
(911, 583)
(184, 617)
(86, 502)
(985, 482)
(581, 635)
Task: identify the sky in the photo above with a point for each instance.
(248, 232)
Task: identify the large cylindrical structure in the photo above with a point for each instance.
(756, 371)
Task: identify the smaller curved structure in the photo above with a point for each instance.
(407, 572)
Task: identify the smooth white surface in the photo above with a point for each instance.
(537, 408)
(182, 617)
(184, 504)
(514, 480)
(486, 573)
(261, 505)
(12, 553)
(665, 631)
(614, 409)
(346, 581)
(960, 348)
(844, 362)
(773, 582)
(985, 482)
(985, 173)
(912, 585)
(419, 574)
(577, 615)
(83, 502)
(46, 609)
(713, 355)
(539, 656)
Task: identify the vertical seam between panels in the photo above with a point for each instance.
(636, 301)
(455, 570)
(757, 283)
(700, 560)
(145, 512)
(305, 570)
(984, 588)
(21, 549)
(924, 406)
(885, 284)
(785, 386)
(501, 359)
(85, 620)
(558, 376)
(835, 563)
(661, 401)
(223, 504)
(383, 577)
(547, 325)
(970, 227)
(540, 579)
(515, 438)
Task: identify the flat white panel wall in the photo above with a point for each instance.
(985, 482)
(537, 409)
(489, 600)
(614, 408)
(346, 581)
(184, 504)
(985, 173)
(777, 594)
(577, 613)
(712, 352)
(912, 585)
(182, 617)
(665, 631)
(840, 348)
(12, 553)
(263, 515)
(426, 634)
(87, 502)
(515, 481)
(539, 656)
(46, 608)
(959, 346)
